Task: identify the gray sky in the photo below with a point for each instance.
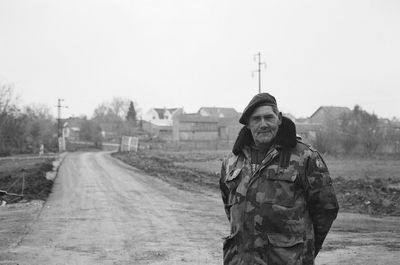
(200, 53)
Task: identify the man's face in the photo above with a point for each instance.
(264, 124)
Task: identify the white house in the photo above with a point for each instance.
(161, 116)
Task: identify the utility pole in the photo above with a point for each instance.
(258, 56)
(59, 106)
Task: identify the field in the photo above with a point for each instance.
(369, 186)
(350, 168)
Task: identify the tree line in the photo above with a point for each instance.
(25, 129)
(358, 132)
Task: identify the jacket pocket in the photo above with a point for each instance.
(285, 250)
(287, 175)
(278, 188)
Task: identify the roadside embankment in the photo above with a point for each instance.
(26, 177)
(32, 178)
(169, 169)
(357, 192)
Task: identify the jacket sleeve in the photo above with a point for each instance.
(224, 189)
(321, 199)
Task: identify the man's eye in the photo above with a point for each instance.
(269, 118)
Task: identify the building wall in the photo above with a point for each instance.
(165, 135)
(162, 132)
(149, 127)
(198, 136)
(71, 134)
(229, 132)
(194, 131)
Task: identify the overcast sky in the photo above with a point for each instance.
(201, 53)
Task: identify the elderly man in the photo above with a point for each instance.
(277, 192)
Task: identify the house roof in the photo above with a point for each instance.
(161, 111)
(332, 111)
(73, 122)
(219, 112)
(195, 117)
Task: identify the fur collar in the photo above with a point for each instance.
(285, 138)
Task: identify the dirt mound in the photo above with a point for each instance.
(372, 196)
(31, 177)
(163, 167)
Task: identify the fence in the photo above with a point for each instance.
(129, 144)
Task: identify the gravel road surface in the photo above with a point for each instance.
(104, 212)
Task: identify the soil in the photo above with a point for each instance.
(25, 177)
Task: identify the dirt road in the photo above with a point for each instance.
(104, 212)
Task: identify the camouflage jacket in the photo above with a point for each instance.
(282, 212)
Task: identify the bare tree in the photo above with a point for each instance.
(105, 113)
(40, 111)
(361, 127)
(7, 98)
(114, 111)
(120, 106)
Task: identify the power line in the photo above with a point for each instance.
(258, 56)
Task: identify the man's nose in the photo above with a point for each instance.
(264, 123)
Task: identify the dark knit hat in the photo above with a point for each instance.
(258, 100)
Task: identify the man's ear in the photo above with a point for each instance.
(280, 118)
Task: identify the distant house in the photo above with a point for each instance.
(218, 112)
(158, 122)
(194, 127)
(322, 118)
(228, 128)
(327, 114)
(71, 128)
(161, 116)
(163, 132)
